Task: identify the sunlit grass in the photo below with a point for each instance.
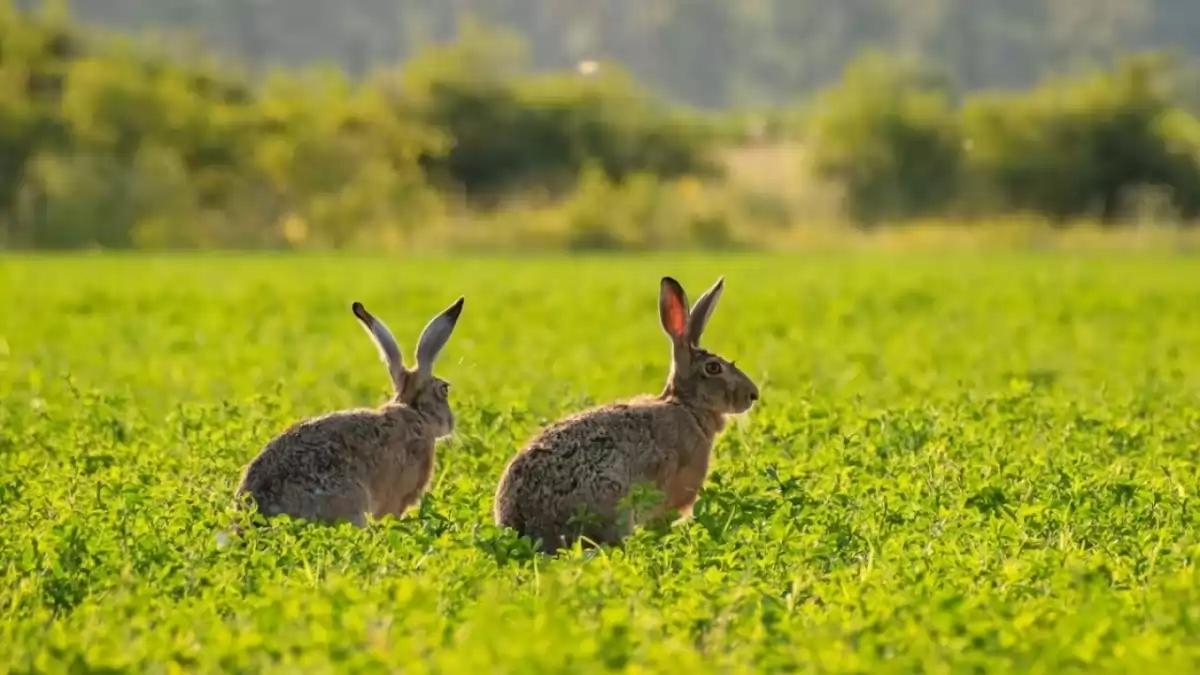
(959, 462)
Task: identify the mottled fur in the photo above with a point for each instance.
(350, 463)
(593, 459)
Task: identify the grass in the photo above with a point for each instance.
(960, 464)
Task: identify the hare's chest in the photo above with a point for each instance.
(684, 483)
(400, 489)
(414, 476)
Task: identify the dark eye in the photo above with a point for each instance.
(712, 368)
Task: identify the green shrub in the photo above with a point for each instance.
(642, 213)
(1074, 148)
(512, 133)
(128, 148)
(113, 145)
(888, 136)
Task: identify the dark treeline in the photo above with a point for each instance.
(110, 141)
(702, 52)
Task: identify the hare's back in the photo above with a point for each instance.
(598, 436)
(314, 451)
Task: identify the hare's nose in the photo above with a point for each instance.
(753, 395)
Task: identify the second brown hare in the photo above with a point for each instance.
(593, 459)
(350, 463)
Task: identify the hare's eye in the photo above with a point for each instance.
(712, 368)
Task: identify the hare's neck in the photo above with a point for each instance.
(400, 428)
(399, 425)
(711, 421)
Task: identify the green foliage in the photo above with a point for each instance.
(951, 469)
(1073, 148)
(1088, 147)
(514, 133)
(110, 144)
(888, 136)
(641, 213)
(116, 147)
(645, 213)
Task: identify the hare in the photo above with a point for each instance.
(346, 464)
(594, 458)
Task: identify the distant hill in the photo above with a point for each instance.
(705, 52)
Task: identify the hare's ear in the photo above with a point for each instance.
(673, 312)
(702, 311)
(389, 351)
(673, 309)
(435, 335)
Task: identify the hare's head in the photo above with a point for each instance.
(418, 387)
(699, 377)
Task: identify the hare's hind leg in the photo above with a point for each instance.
(602, 519)
(349, 502)
(397, 506)
(590, 536)
(329, 503)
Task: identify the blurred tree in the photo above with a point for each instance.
(888, 135)
(1083, 147)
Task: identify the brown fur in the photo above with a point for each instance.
(350, 463)
(594, 458)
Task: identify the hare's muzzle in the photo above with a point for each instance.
(751, 396)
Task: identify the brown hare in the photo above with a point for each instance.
(350, 463)
(593, 459)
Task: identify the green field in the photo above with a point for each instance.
(958, 465)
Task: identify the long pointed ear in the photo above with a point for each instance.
(702, 312)
(673, 313)
(673, 309)
(435, 335)
(389, 351)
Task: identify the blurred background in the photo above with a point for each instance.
(409, 125)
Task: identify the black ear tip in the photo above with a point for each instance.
(456, 308)
(360, 311)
